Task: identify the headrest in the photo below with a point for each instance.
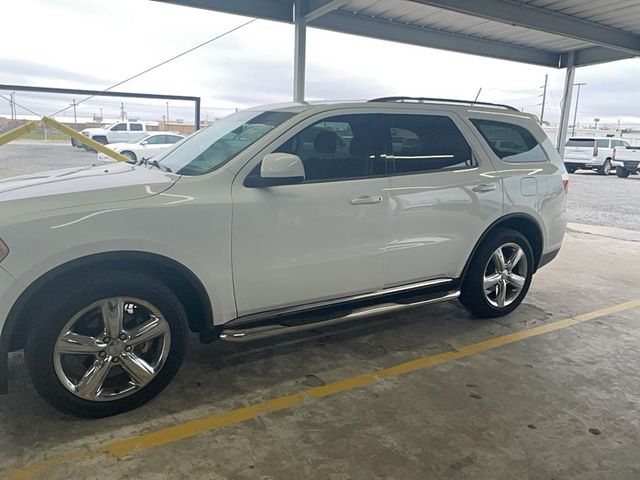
(326, 142)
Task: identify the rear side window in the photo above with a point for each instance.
(602, 143)
(581, 142)
(511, 143)
(136, 127)
(426, 143)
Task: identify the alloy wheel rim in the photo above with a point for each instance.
(505, 275)
(112, 348)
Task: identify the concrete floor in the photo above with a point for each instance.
(562, 405)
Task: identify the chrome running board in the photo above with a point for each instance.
(271, 330)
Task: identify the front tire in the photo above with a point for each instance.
(108, 344)
(131, 156)
(499, 275)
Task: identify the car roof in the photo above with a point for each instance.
(461, 106)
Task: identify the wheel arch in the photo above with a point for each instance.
(521, 222)
(182, 281)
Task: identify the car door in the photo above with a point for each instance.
(119, 133)
(442, 197)
(153, 145)
(321, 239)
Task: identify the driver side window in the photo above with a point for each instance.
(338, 148)
(121, 127)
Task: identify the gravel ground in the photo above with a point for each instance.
(593, 199)
(607, 201)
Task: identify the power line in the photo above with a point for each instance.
(175, 57)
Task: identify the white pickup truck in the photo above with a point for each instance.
(626, 160)
(121, 132)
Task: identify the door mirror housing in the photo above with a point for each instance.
(278, 169)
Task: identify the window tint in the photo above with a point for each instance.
(338, 148)
(423, 143)
(120, 127)
(512, 143)
(156, 139)
(581, 142)
(625, 144)
(136, 127)
(602, 143)
(172, 138)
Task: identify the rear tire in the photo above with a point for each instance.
(74, 317)
(490, 290)
(622, 172)
(605, 169)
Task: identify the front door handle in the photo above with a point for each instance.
(484, 187)
(365, 200)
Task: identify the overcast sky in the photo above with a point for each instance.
(92, 44)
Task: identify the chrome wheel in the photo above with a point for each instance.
(112, 348)
(505, 275)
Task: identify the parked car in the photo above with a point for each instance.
(626, 160)
(145, 148)
(324, 213)
(591, 153)
(114, 133)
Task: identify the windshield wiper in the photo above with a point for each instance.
(154, 163)
(160, 167)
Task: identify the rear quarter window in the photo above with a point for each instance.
(511, 143)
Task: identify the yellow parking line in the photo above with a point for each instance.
(128, 446)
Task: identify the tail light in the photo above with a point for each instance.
(565, 182)
(614, 154)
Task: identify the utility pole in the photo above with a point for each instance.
(75, 118)
(165, 126)
(575, 114)
(122, 115)
(544, 97)
(12, 105)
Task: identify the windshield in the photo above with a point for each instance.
(212, 147)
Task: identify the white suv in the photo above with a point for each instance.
(591, 153)
(272, 220)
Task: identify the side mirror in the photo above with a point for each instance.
(278, 169)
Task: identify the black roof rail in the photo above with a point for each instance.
(442, 100)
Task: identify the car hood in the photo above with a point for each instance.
(116, 147)
(73, 187)
(94, 130)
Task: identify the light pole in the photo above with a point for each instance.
(575, 114)
(165, 125)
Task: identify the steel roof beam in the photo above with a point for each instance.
(543, 20)
(399, 32)
(279, 10)
(595, 55)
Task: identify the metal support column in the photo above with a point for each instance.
(566, 104)
(197, 114)
(300, 50)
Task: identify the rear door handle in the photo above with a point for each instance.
(484, 187)
(365, 200)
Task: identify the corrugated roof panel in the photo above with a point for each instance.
(622, 14)
(443, 20)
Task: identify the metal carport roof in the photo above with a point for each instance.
(551, 33)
